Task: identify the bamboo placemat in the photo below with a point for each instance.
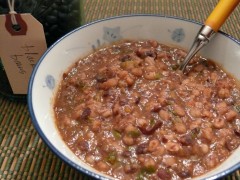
(23, 155)
(196, 10)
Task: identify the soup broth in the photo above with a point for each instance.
(128, 111)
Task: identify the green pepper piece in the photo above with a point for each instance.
(134, 134)
(175, 67)
(152, 122)
(144, 172)
(116, 134)
(237, 108)
(112, 157)
(158, 76)
(140, 176)
(149, 169)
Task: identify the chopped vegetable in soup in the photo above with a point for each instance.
(127, 111)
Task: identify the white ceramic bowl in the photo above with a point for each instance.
(80, 42)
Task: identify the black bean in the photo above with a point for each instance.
(142, 148)
(51, 19)
(164, 174)
(209, 64)
(63, 17)
(54, 13)
(73, 4)
(53, 28)
(65, 75)
(186, 139)
(74, 14)
(237, 130)
(101, 78)
(83, 145)
(151, 54)
(164, 140)
(137, 101)
(4, 5)
(106, 93)
(126, 153)
(151, 130)
(125, 57)
(85, 114)
(156, 109)
(144, 52)
(231, 143)
(64, 9)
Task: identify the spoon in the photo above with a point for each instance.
(210, 27)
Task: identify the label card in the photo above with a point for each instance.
(21, 46)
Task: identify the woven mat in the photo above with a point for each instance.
(23, 155)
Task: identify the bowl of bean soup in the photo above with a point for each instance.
(108, 98)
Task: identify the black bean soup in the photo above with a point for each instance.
(127, 111)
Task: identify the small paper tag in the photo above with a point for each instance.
(20, 48)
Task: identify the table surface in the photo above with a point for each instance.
(23, 155)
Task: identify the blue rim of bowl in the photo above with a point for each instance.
(45, 139)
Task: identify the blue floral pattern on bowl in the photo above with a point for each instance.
(111, 34)
(50, 82)
(178, 35)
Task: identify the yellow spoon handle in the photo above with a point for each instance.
(221, 13)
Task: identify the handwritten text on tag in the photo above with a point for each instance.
(20, 51)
